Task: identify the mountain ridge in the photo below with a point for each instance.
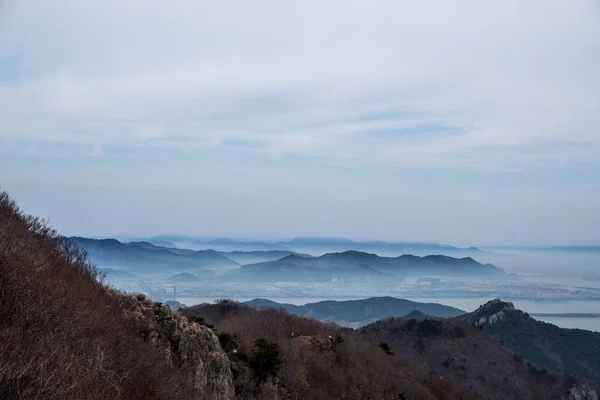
(144, 256)
(354, 263)
(354, 313)
(451, 350)
(558, 349)
(325, 244)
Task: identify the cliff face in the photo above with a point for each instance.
(192, 348)
(582, 392)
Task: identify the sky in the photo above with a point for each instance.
(463, 122)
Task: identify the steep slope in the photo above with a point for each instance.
(63, 335)
(572, 351)
(460, 351)
(354, 313)
(312, 360)
(355, 264)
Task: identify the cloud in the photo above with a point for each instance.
(140, 94)
(195, 75)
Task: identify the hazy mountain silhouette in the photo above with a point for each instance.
(146, 257)
(351, 264)
(417, 314)
(326, 245)
(184, 277)
(250, 257)
(360, 312)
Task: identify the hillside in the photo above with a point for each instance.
(461, 352)
(390, 359)
(359, 265)
(353, 313)
(312, 360)
(572, 351)
(141, 257)
(65, 336)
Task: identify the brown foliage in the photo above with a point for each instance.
(321, 361)
(62, 333)
(458, 350)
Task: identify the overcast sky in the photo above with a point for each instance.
(466, 122)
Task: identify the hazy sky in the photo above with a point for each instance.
(466, 122)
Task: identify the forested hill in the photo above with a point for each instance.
(572, 351)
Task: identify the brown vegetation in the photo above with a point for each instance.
(318, 361)
(460, 351)
(63, 334)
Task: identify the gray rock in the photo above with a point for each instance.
(582, 391)
(192, 348)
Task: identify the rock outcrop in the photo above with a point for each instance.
(493, 311)
(191, 347)
(583, 391)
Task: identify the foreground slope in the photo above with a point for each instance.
(354, 313)
(65, 336)
(572, 351)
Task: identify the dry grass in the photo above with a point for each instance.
(316, 367)
(62, 333)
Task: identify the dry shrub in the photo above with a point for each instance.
(62, 333)
(318, 367)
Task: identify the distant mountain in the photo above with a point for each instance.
(360, 312)
(416, 314)
(171, 238)
(572, 351)
(235, 245)
(328, 245)
(164, 243)
(250, 257)
(353, 264)
(146, 257)
(144, 245)
(184, 277)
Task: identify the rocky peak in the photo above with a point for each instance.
(188, 346)
(582, 391)
(492, 312)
